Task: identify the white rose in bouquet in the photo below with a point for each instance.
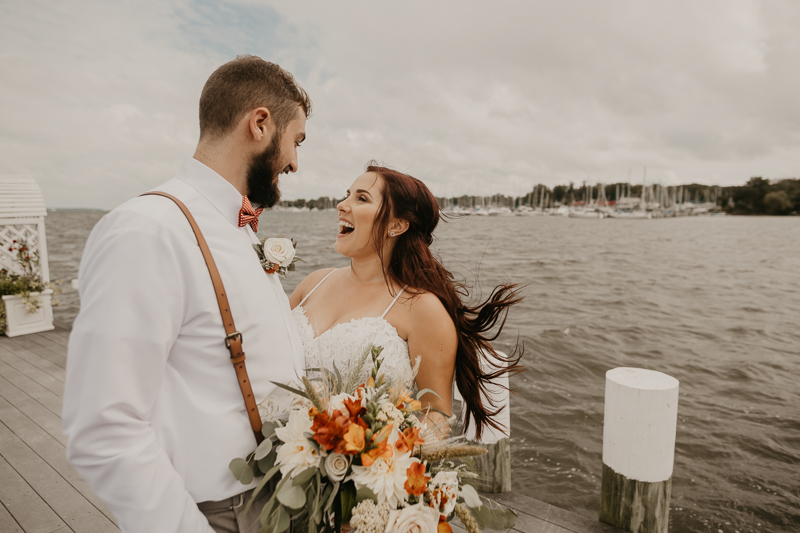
(418, 518)
(336, 465)
(443, 491)
(279, 251)
(337, 402)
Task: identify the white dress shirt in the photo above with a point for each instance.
(152, 408)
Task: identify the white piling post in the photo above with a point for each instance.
(641, 415)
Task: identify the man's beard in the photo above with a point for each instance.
(262, 176)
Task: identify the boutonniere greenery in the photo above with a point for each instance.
(277, 255)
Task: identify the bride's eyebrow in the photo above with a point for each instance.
(364, 191)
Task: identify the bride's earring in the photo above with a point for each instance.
(391, 234)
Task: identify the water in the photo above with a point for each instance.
(711, 301)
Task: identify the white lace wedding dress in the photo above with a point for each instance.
(344, 343)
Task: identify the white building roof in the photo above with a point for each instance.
(21, 197)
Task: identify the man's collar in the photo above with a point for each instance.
(216, 189)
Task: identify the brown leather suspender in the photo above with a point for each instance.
(233, 339)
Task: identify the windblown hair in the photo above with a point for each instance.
(241, 85)
(413, 264)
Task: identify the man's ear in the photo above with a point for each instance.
(260, 124)
(398, 226)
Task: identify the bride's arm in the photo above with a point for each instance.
(432, 335)
(306, 285)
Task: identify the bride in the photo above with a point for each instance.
(397, 295)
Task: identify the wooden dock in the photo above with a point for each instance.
(40, 492)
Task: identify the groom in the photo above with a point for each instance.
(153, 410)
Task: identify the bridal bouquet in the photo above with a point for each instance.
(353, 453)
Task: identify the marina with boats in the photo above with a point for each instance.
(592, 202)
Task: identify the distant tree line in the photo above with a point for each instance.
(758, 196)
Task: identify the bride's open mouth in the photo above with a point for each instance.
(345, 227)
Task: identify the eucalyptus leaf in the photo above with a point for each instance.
(266, 464)
(268, 429)
(260, 486)
(263, 449)
(348, 495)
(470, 496)
(365, 493)
(241, 471)
(304, 476)
(292, 496)
(267, 510)
(332, 496)
(499, 518)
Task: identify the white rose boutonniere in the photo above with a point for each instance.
(277, 254)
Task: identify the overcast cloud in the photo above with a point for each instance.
(98, 100)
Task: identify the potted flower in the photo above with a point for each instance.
(26, 306)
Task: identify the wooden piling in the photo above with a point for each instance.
(641, 414)
(494, 468)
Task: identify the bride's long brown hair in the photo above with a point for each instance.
(413, 264)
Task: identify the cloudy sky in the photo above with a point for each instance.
(98, 100)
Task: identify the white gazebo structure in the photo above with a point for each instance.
(22, 212)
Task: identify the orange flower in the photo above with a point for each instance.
(443, 526)
(407, 439)
(370, 382)
(354, 406)
(414, 405)
(403, 397)
(354, 439)
(416, 480)
(328, 431)
(382, 450)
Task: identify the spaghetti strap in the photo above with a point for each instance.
(317, 285)
(393, 301)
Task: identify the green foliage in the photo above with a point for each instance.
(23, 285)
(777, 203)
(763, 197)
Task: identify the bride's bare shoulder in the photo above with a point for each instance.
(425, 306)
(307, 285)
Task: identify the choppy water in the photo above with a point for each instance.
(713, 302)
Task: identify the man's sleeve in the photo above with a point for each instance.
(131, 312)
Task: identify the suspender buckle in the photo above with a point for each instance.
(233, 335)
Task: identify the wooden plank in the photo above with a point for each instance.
(33, 410)
(44, 361)
(69, 504)
(27, 508)
(45, 397)
(548, 513)
(59, 336)
(51, 450)
(44, 379)
(43, 347)
(7, 522)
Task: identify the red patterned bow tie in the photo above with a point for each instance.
(248, 215)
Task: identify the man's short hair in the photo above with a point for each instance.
(241, 85)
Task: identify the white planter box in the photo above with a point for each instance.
(20, 322)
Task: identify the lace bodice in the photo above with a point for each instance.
(344, 343)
